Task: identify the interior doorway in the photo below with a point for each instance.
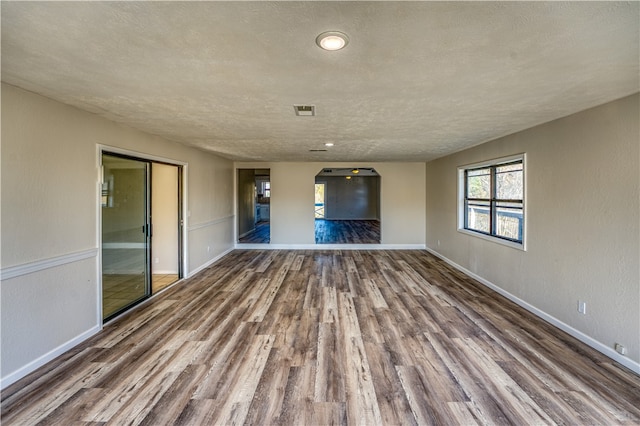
(347, 206)
(141, 229)
(254, 206)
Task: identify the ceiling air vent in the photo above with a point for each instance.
(317, 150)
(305, 110)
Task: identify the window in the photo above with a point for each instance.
(492, 204)
(264, 189)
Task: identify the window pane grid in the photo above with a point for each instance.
(493, 202)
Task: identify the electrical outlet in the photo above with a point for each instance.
(208, 249)
(582, 307)
(438, 243)
(156, 260)
(620, 349)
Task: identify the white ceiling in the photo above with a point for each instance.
(418, 80)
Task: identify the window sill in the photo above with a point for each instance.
(512, 244)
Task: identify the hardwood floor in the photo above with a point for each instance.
(260, 235)
(326, 232)
(327, 337)
(347, 231)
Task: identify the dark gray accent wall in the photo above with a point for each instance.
(357, 198)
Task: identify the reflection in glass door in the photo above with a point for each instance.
(320, 200)
(125, 233)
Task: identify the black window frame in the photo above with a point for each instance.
(493, 202)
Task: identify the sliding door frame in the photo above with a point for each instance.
(146, 231)
(183, 215)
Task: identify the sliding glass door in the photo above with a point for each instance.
(126, 233)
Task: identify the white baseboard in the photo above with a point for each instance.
(209, 263)
(588, 340)
(42, 360)
(330, 246)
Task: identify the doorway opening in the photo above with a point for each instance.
(254, 206)
(141, 229)
(347, 206)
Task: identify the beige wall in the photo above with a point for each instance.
(50, 291)
(582, 223)
(402, 201)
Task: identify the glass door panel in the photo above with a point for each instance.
(125, 233)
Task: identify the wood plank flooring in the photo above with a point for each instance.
(260, 235)
(327, 337)
(347, 231)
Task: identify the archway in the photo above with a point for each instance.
(347, 206)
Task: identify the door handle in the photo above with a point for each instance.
(147, 229)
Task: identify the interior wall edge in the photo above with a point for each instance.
(110, 149)
(584, 338)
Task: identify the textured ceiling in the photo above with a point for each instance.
(418, 80)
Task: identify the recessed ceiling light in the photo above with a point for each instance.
(332, 40)
(328, 144)
(355, 171)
